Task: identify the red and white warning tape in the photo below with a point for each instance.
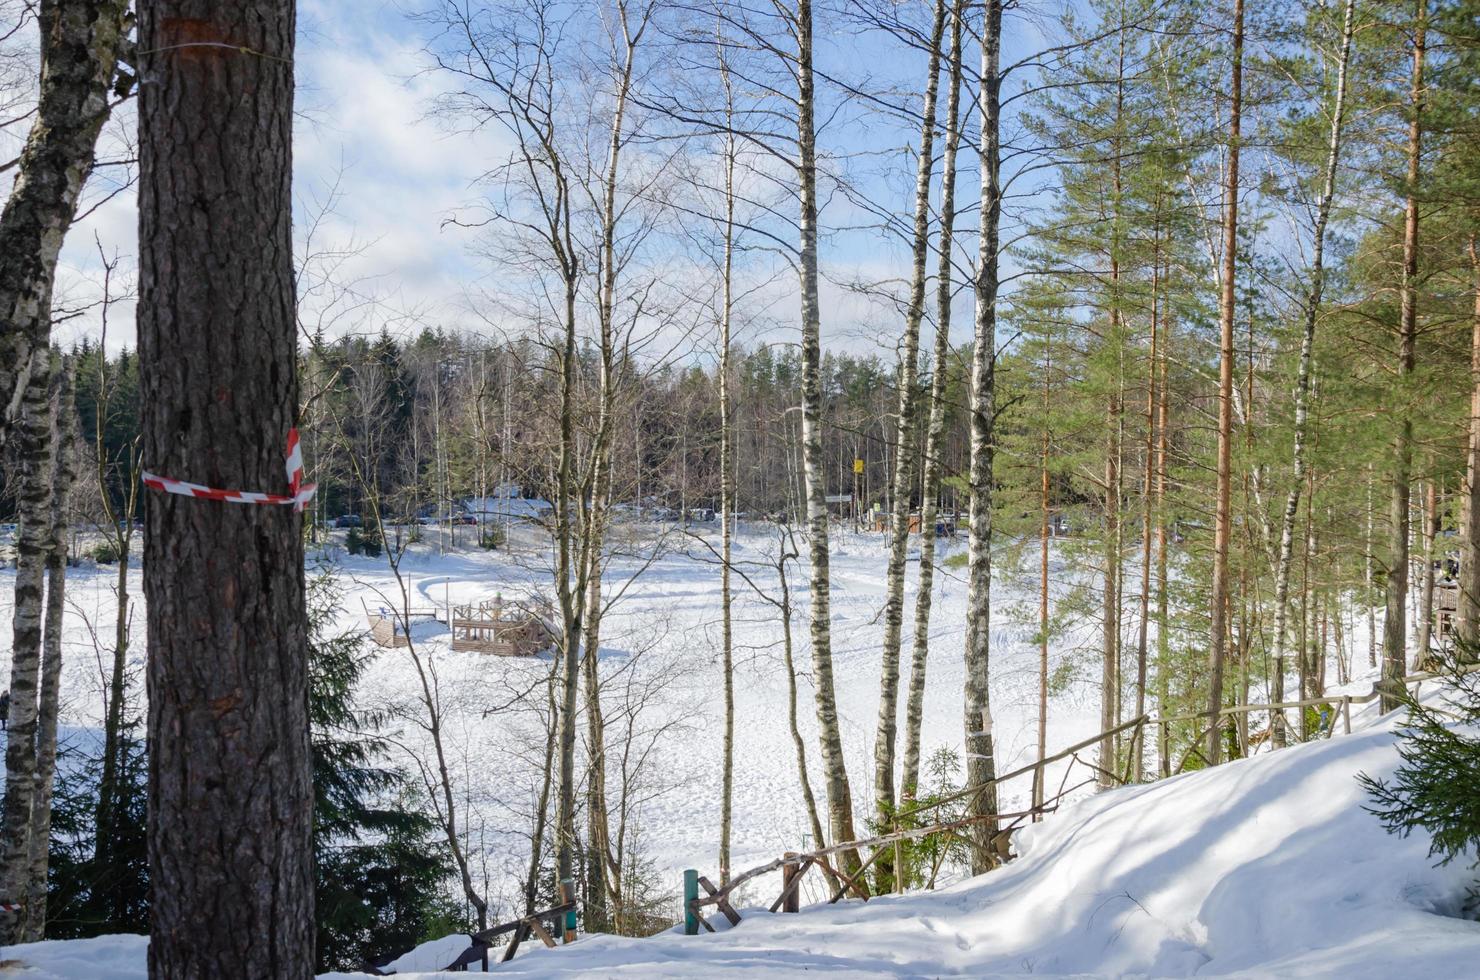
(9, 907)
(301, 493)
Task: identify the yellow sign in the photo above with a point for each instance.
(858, 466)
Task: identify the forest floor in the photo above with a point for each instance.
(1256, 867)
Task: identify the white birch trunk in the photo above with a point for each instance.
(904, 456)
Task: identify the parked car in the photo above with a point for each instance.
(348, 520)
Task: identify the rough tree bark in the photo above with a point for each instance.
(1395, 622)
(1222, 519)
(230, 792)
(81, 42)
(935, 432)
(1469, 582)
(63, 472)
(33, 454)
(1430, 532)
(980, 763)
(1303, 379)
(904, 454)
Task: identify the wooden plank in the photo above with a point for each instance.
(512, 924)
(539, 930)
(788, 895)
(854, 881)
(521, 930)
(870, 842)
(720, 901)
(694, 906)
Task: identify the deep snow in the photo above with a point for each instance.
(1266, 866)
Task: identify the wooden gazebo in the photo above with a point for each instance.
(503, 628)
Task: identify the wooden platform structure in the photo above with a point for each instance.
(1446, 610)
(503, 628)
(388, 626)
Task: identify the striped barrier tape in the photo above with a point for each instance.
(301, 493)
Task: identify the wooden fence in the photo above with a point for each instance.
(561, 921)
(795, 865)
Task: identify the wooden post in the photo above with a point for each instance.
(1346, 712)
(690, 896)
(788, 873)
(568, 896)
(898, 863)
(1163, 748)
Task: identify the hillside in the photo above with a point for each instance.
(1264, 867)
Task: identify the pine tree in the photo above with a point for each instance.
(379, 871)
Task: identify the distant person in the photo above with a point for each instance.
(4, 710)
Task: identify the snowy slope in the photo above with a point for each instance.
(1267, 867)
(1264, 867)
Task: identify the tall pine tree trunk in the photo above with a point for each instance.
(1148, 509)
(1395, 622)
(1043, 536)
(980, 762)
(1163, 638)
(230, 793)
(1426, 588)
(1222, 519)
(1468, 620)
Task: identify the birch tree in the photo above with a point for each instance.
(980, 760)
(902, 489)
(82, 43)
(63, 472)
(1311, 315)
(935, 430)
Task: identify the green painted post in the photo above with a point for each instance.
(568, 894)
(690, 896)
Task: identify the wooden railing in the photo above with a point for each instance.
(795, 865)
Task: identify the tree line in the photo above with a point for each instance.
(1218, 263)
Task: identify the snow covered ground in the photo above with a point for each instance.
(661, 680)
(1265, 867)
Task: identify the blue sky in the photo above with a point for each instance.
(396, 175)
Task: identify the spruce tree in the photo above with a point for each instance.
(378, 868)
(1437, 787)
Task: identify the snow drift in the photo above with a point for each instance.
(1268, 866)
(1263, 867)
